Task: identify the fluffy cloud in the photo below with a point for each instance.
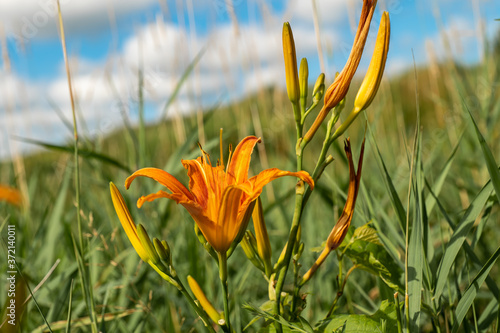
(27, 19)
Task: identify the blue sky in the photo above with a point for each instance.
(108, 40)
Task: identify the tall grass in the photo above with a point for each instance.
(430, 188)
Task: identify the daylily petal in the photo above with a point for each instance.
(163, 178)
(127, 221)
(197, 179)
(177, 197)
(10, 195)
(237, 170)
(255, 184)
(207, 227)
(227, 223)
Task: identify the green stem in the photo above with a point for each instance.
(199, 311)
(298, 119)
(223, 279)
(398, 313)
(340, 291)
(299, 195)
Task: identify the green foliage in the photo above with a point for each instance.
(368, 253)
(435, 196)
(384, 320)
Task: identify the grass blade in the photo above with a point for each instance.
(458, 237)
(183, 78)
(68, 326)
(81, 152)
(438, 185)
(391, 190)
(491, 164)
(471, 291)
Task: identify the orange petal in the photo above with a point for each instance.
(198, 179)
(127, 221)
(207, 227)
(10, 195)
(227, 222)
(177, 197)
(255, 184)
(163, 178)
(237, 169)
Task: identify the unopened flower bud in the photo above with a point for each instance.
(319, 88)
(202, 298)
(148, 246)
(292, 77)
(162, 250)
(303, 79)
(371, 82)
(248, 244)
(262, 238)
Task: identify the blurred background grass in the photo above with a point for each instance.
(129, 296)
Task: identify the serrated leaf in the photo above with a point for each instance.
(375, 259)
(366, 233)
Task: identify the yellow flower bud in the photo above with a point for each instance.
(303, 77)
(148, 246)
(263, 245)
(163, 251)
(371, 82)
(249, 246)
(319, 88)
(292, 77)
(204, 302)
(373, 76)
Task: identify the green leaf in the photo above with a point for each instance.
(391, 190)
(458, 237)
(84, 153)
(491, 164)
(416, 251)
(363, 323)
(295, 327)
(366, 252)
(438, 185)
(366, 233)
(471, 291)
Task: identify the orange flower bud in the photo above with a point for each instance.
(338, 89)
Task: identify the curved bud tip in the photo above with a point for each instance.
(290, 57)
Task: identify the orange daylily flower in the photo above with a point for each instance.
(11, 195)
(218, 197)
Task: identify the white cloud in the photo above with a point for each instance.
(328, 10)
(28, 19)
(456, 39)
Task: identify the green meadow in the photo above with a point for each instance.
(426, 222)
